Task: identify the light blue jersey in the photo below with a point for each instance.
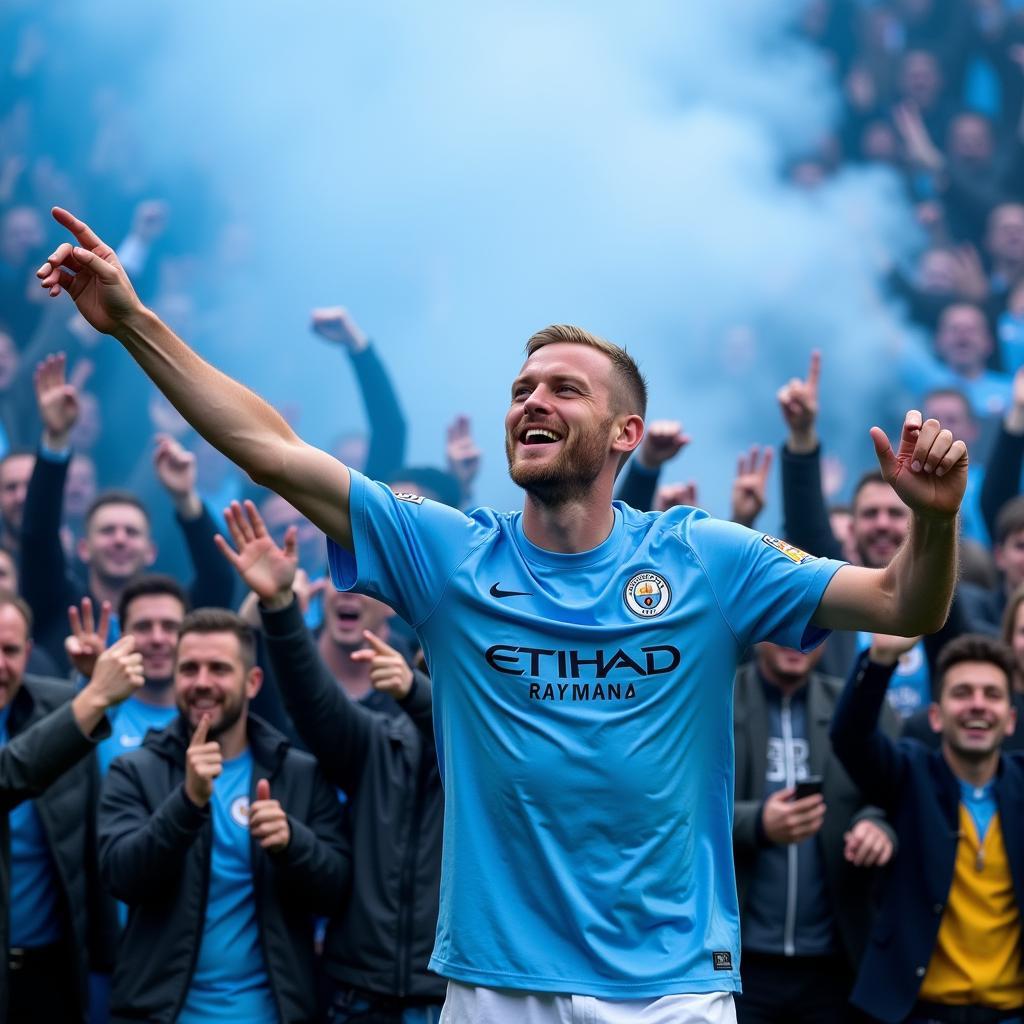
(33, 887)
(583, 716)
(230, 980)
(129, 723)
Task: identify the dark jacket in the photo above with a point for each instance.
(921, 797)
(47, 760)
(638, 485)
(155, 849)
(388, 767)
(50, 587)
(849, 888)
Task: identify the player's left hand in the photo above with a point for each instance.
(268, 824)
(867, 845)
(929, 472)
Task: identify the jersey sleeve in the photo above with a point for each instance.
(767, 589)
(406, 547)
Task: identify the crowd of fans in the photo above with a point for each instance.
(178, 619)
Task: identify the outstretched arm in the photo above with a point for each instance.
(235, 420)
(912, 594)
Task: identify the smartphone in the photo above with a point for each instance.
(807, 787)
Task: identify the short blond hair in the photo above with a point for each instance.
(632, 391)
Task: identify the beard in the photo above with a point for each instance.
(230, 712)
(567, 477)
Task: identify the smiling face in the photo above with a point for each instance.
(880, 524)
(14, 651)
(974, 713)
(117, 543)
(212, 678)
(155, 620)
(563, 430)
(963, 340)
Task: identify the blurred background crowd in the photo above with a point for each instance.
(885, 236)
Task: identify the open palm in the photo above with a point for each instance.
(266, 568)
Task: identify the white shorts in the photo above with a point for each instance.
(470, 1004)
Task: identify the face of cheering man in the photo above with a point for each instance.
(155, 620)
(117, 543)
(15, 473)
(974, 712)
(15, 648)
(214, 676)
(566, 425)
(346, 615)
(880, 524)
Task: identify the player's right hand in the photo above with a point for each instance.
(203, 763)
(91, 274)
(787, 820)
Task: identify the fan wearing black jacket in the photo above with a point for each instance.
(225, 843)
(386, 764)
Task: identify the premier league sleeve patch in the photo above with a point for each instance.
(792, 553)
(413, 499)
(647, 594)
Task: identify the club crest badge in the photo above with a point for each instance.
(647, 594)
(240, 811)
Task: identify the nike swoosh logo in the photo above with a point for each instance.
(496, 591)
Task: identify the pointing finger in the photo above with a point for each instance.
(199, 736)
(84, 234)
(884, 452)
(376, 643)
(814, 370)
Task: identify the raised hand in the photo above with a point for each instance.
(929, 471)
(88, 637)
(753, 470)
(798, 401)
(669, 495)
(389, 671)
(149, 220)
(663, 440)
(462, 454)
(91, 274)
(175, 468)
(267, 570)
(203, 763)
(887, 649)
(58, 397)
(917, 142)
(335, 324)
(118, 672)
(867, 846)
(268, 824)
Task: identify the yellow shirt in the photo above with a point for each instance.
(977, 957)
